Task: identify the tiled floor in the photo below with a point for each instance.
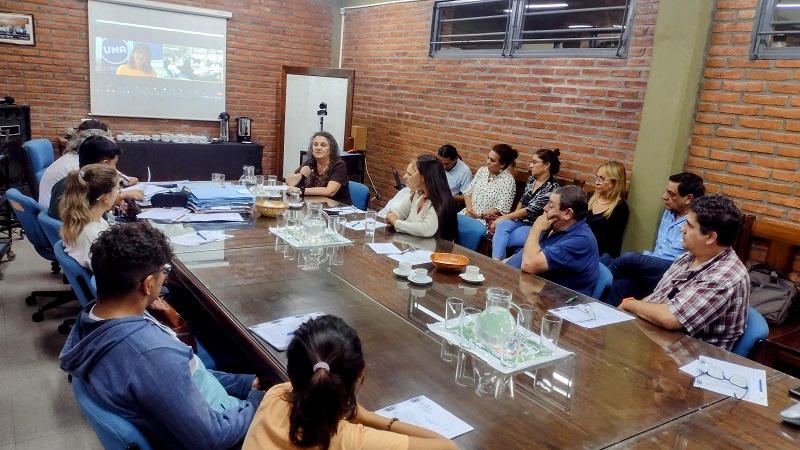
(37, 407)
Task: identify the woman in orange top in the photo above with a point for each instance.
(138, 64)
(318, 408)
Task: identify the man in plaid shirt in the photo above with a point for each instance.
(705, 293)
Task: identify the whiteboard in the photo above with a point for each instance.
(302, 97)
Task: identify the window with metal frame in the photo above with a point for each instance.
(777, 31)
(486, 28)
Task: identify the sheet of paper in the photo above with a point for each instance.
(383, 248)
(199, 238)
(342, 210)
(215, 217)
(693, 368)
(279, 332)
(359, 225)
(414, 257)
(725, 375)
(167, 214)
(591, 315)
(425, 413)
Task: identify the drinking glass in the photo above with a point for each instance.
(525, 319)
(551, 329)
(465, 371)
(341, 225)
(259, 187)
(294, 198)
(370, 217)
(280, 221)
(336, 255)
(218, 178)
(449, 350)
(454, 307)
(469, 316)
(292, 222)
(289, 252)
(508, 357)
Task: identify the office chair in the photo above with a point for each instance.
(113, 430)
(470, 231)
(79, 278)
(27, 209)
(398, 182)
(39, 156)
(755, 330)
(603, 281)
(359, 193)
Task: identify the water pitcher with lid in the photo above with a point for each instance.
(496, 323)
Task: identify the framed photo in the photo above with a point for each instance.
(16, 29)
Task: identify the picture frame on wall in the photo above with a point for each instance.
(16, 29)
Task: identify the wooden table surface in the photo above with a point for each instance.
(622, 386)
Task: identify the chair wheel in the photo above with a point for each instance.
(63, 328)
(11, 255)
(38, 316)
(30, 300)
(55, 267)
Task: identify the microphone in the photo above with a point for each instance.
(7, 100)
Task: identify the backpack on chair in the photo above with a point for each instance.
(771, 292)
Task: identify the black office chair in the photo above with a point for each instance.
(398, 182)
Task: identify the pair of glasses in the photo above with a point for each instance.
(600, 178)
(164, 271)
(585, 310)
(736, 380)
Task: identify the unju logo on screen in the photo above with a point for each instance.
(115, 51)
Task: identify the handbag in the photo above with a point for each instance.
(167, 316)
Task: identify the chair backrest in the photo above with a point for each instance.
(51, 227)
(78, 276)
(756, 329)
(39, 157)
(398, 182)
(470, 231)
(27, 209)
(113, 431)
(359, 193)
(603, 281)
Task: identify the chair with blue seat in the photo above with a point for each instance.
(604, 281)
(470, 231)
(755, 330)
(359, 193)
(113, 430)
(26, 210)
(39, 157)
(51, 227)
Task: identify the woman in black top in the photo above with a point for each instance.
(608, 212)
(323, 173)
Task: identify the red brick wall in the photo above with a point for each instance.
(53, 76)
(745, 141)
(410, 103)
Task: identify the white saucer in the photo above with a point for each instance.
(396, 271)
(420, 283)
(479, 279)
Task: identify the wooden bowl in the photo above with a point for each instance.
(270, 208)
(449, 261)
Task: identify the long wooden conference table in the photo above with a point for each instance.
(621, 388)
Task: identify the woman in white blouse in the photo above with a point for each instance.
(491, 193)
(90, 193)
(429, 209)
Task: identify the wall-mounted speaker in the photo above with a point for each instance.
(15, 120)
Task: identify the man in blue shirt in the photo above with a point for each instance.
(459, 176)
(560, 246)
(637, 274)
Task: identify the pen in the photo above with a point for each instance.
(760, 389)
(572, 299)
(204, 238)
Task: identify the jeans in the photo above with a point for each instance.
(635, 275)
(508, 233)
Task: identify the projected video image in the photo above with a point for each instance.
(145, 59)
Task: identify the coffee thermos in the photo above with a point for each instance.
(243, 128)
(224, 126)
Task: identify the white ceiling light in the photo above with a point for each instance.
(580, 26)
(547, 5)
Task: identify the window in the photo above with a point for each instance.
(580, 28)
(777, 30)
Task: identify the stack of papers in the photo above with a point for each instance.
(279, 332)
(199, 238)
(213, 198)
(424, 412)
(343, 210)
(592, 315)
(359, 225)
(734, 380)
(221, 214)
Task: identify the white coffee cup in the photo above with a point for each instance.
(404, 268)
(419, 275)
(472, 272)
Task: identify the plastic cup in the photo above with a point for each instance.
(453, 309)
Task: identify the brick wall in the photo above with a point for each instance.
(53, 76)
(745, 141)
(412, 104)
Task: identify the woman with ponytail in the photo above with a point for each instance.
(317, 409)
(90, 193)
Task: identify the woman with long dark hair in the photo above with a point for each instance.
(323, 172)
(429, 208)
(139, 63)
(491, 193)
(318, 407)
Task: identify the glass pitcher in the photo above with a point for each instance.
(495, 324)
(248, 178)
(315, 223)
